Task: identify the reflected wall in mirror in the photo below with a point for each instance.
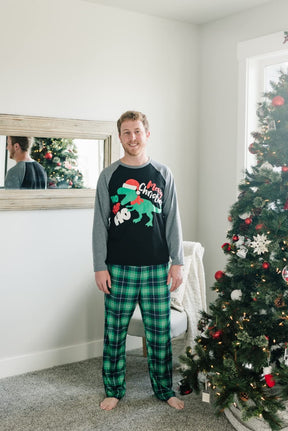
(73, 152)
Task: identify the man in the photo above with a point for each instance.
(27, 173)
(136, 230)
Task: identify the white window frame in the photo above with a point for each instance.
(253, 56)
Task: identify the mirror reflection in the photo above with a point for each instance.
(53, 163)
(73, 152)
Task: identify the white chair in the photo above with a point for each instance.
(186, 302)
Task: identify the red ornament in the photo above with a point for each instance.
(219, 274)
(70, 183)
(268, 377)
(265, 265)
(235, 238)
(58, 164)
(48, 155)
(252, 149)
(230, 218)
(259, 226)
(286, 205)
(248, 220)
(270, 380)
(278, 101)
(284, 168)
(217, 334)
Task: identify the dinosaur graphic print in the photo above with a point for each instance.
(128, 197)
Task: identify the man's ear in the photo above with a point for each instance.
(16, 146)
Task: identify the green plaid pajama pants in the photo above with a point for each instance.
(146, 285)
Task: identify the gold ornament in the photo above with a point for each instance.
(244, 396)
(279, 302)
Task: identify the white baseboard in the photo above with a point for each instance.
(34, 361)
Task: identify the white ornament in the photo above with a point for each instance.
(242, 251)
(267, 370)
(285, 273)
(266, 166)
(245, 215)
(236, 295)
(241, 240)
(286, 356)
(260, 244)
(272, 125)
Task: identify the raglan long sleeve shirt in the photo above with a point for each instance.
(136, 217)
(26, 175)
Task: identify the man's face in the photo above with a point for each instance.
(133, 137)
(10, 148)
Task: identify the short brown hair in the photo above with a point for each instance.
(23, 141)
(135, 116)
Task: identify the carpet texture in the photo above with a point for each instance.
(67, 397)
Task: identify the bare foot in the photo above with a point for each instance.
(175, 403)
(109, 403)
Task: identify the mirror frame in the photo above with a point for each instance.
(22, 125)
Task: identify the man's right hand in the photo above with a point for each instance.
(103, 281)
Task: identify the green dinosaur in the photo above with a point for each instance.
(141, 206)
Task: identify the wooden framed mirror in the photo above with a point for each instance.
(47, 127)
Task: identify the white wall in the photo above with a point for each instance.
(75, 59)
(218, 121)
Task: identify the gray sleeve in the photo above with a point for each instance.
(101, 219)
(173, 223)
(15, 176)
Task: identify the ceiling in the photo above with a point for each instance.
(192, 11)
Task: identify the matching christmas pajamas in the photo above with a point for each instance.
(136, 232)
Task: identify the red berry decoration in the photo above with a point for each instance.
(286, 205)
(218, 275)
(248, 220)
(230, 218)
(48, 155)
(278, 101)
(284, 168)
(235, 238)
(265, 265)
(226, 246)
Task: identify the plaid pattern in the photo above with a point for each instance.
(146, 285)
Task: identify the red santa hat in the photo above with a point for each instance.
(132, 185)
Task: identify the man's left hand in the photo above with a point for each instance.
(175, 276)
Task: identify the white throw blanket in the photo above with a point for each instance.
(194, 295)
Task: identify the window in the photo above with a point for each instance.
(260, 62)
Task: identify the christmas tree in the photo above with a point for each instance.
(241, 352)
(58, 156)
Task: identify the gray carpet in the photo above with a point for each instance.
(66, 398)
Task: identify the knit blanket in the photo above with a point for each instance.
(190, 297)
